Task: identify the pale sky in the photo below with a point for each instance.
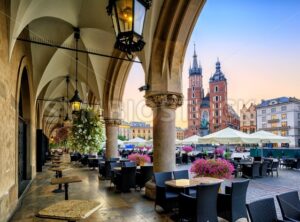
(258, 44)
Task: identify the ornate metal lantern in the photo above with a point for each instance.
(128, 18)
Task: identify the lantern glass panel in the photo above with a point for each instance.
(125, 15)
(139, 17)
(76, 105)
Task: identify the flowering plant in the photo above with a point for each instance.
(87, 132)
(219, 152)
(217, 168)
(140, 159)
(187, 149)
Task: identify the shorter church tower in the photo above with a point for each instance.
(218, 100)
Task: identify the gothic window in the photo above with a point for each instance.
(216, 88)
(216, 98)
(193, 88)
(193, 96)
(217, 105)
(216, 113)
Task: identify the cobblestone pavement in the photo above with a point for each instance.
(131, 206)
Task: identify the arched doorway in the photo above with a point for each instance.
(23, 134)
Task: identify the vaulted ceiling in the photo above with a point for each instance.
(54, 20)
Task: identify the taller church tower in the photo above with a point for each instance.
(195, 95)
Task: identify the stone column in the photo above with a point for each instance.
(164, 106)
(111, 128)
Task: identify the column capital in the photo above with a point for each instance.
(112, 122)
(170, 100)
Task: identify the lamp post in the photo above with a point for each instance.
(76, 101)
(128, 17)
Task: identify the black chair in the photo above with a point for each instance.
(201, 208)
(251, 171)
(296, 164)
(289, 205)
(181, 174)
(107, 169)
(125, 179)
(166, 199)
(273, 167)
(185, 158)
(262, 211)
(129, 164)
(184, 174)
(143, 176)
(178, 159)
(263, 168)
(231, 206)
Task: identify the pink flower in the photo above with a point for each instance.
(219, 151)
(187, 149)
(139, 158)
(218, 168)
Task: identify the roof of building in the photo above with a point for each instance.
(139, 124)
(196, 68)
(232, 112)
(276, 101)
(218, 75)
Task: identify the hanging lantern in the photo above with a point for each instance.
(76, 102)
(128, 18)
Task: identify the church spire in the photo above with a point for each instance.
(195, 62)
(195, 68)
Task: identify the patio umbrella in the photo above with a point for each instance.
(135, 141)
(228, 136)
(178, 142)
(267, 137)
(191, 140)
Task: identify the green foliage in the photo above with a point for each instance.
(120, 137)
(87, 132)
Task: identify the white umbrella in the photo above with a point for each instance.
(120, 142)
(228, 136)
(136, 140)
(191, 140)
(267, 137)
(178, 142)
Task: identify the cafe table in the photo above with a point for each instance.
(66, 181)
(120, 168)
(188, 183)
(58, 174)
(70, 210)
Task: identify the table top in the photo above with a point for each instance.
(70, 179)
(184, 183)
(120, 168)
(70, 210)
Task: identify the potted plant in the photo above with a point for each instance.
(219, 152)
(139, 159)
(217, 168)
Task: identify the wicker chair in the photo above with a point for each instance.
(263, 168)
(184, 174)
(143, 176)
(262, 211)
(231, 206)
(274, 167)
(125, 179)
(289, 205)
(165, 198)
(251, 171)
(201, 208)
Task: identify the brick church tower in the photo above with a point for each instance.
(195, 95)
(218, 100)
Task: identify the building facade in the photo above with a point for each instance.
(179, 133)
(248, 119)
(211, 112)
(280, 116)
(124, 130)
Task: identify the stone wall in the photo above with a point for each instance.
(10, 73)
